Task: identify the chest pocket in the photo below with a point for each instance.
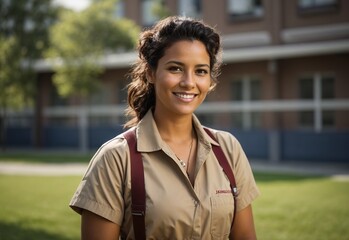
(222, 212)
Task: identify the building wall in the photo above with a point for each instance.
(292, 69)
(282, 24)
(294, 17)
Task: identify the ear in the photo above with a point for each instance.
(150, 76)
(212, 85)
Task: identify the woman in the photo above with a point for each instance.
(187, 194)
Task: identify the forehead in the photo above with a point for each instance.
(187, 50)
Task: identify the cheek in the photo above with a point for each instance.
(164, 80)
(205, 85)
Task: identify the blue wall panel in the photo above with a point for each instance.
(255, 142)
(61, 137)
(99, 135)
(19, 137)
(311, 146)
(295, 145)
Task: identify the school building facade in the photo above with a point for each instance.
(283, 91)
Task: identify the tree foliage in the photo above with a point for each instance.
(9, 73)
(160, 10)
(23, 39)
(79, 41)
(24, 28)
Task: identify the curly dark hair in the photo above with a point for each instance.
(152, 45)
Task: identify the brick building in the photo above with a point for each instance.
(283, 91)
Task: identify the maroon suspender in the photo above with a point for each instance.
(138, 187)
(226, 168)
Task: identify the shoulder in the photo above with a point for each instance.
(224, 137)
(118, 144)
(113, 154)
(230, 145)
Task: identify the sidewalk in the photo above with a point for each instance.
(337, 170)
(42, 169)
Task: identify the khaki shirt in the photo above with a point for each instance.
(174, 208)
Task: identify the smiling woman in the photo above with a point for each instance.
(181, 80)
(178, 65)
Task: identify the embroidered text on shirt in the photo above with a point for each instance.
(223, 191)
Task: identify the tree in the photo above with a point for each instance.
(23, 39)
(160, 10)
(80, 39)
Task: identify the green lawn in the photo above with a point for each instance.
(36, 207)
(290, 207)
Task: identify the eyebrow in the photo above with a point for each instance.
(182, 64)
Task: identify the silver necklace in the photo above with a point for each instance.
(183, 164)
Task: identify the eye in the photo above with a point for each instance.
(201, 72)
(175, 69)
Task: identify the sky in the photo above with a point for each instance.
(76, 5)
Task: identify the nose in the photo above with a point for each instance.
(188, 80)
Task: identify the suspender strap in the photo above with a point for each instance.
(137, 186)
(226, 168)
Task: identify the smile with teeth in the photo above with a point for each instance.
(185, 96)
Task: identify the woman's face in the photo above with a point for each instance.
(182, 79)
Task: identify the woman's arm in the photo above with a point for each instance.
(94, 227)
(243, 228)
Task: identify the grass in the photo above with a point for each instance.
(296, 207)
(36, 207)
(290, 207)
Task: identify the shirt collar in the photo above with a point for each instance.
(149, 139)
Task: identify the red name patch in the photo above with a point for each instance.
(223, 191)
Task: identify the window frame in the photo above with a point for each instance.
(256, 12)
(319, 116)
(317, 8)
(246, 119)
(193, 3)
(147, 22)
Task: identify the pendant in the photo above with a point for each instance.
(182, 163)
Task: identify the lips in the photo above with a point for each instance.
(185, 96)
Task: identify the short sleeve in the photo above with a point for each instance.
(246, 184)
(101, 190)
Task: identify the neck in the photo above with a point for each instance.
(175, 130)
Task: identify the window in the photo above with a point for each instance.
(306, 88)
(148, 15)
(120, 9)
(246, 89)
(255, 88)
(317, 88)
(237, 90)
(306, 119)
(316, 5)
(190, 8)
(328, 119)
(327, 89)
(237, 121)
(328, 92)
(241, 9)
